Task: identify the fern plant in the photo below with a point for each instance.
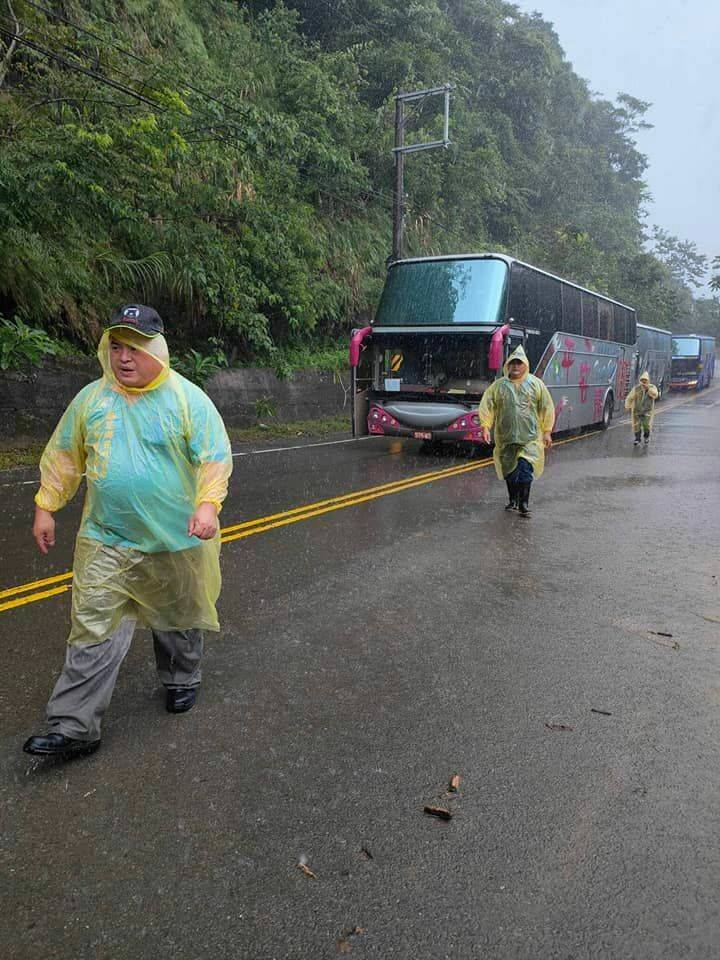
(21, 344)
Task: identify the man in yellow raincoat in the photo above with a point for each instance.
(641, 400)
(156, 458)
(519, 410)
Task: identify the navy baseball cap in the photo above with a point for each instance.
(138, 317)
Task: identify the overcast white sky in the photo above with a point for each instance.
(667, 53)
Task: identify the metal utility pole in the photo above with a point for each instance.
(398, 197)
(400, 150)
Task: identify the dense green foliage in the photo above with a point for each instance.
(21, 344)
(231, 163)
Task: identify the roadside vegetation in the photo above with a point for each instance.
(231, 164)
(266, 430)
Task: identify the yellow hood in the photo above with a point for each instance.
(518, 354)
(155, 347)
(645, 376)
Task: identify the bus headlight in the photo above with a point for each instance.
(379, 419)
(469, 424)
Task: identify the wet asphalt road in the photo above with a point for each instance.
(366, 655)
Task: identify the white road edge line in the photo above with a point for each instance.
(19, 483)
(307, 446)
(244, 453)
(304, 446)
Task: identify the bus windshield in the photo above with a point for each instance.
(686, 347)
(434, 364)
(443, 292)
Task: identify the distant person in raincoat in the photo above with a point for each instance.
(157, 459)
(641, 400)
(520, 411)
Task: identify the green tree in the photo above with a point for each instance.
(233, 163)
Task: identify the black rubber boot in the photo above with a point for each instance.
(524, 499)
(637, 439)
(512, 495)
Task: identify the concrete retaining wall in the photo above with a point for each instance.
(31, 403)
(243, 396)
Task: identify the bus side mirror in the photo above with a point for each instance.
(356, 342)
(496, 351)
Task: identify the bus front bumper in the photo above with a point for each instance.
(412, 433)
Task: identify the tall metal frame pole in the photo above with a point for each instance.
(399, 196)
(400, 150)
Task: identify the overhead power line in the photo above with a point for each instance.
(99, 77)
(156, 105)
(52, 55)
(105, 80)
(127, 52)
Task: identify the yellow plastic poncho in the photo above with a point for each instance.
(519, 412)
(642, 404)
(150, 455)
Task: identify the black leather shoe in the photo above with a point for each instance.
(58, 745)
(180, 701)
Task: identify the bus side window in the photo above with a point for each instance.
(571, 310)
(549, 305)
(589, 315)
(523, 295)
(605, 320)
(619, 324)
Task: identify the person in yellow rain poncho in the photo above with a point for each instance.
(156, 458)
(641, 400)
(519, 410)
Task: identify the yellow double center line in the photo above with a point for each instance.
(32, 592)
(35, 585)
(21, 595)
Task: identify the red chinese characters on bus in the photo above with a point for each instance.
(583, 381)
(568, 359)
(598, 398)
(622, 381)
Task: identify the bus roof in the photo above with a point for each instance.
(509, 261)
(646, 326)
(692, 336)
(474, 328)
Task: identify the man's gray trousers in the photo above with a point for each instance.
(83, 690)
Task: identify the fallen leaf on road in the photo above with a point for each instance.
(344, 944)
(559, 727)
(454, 784)
(441, 812)
(365, 854)
(302, 865)
(671, 645)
